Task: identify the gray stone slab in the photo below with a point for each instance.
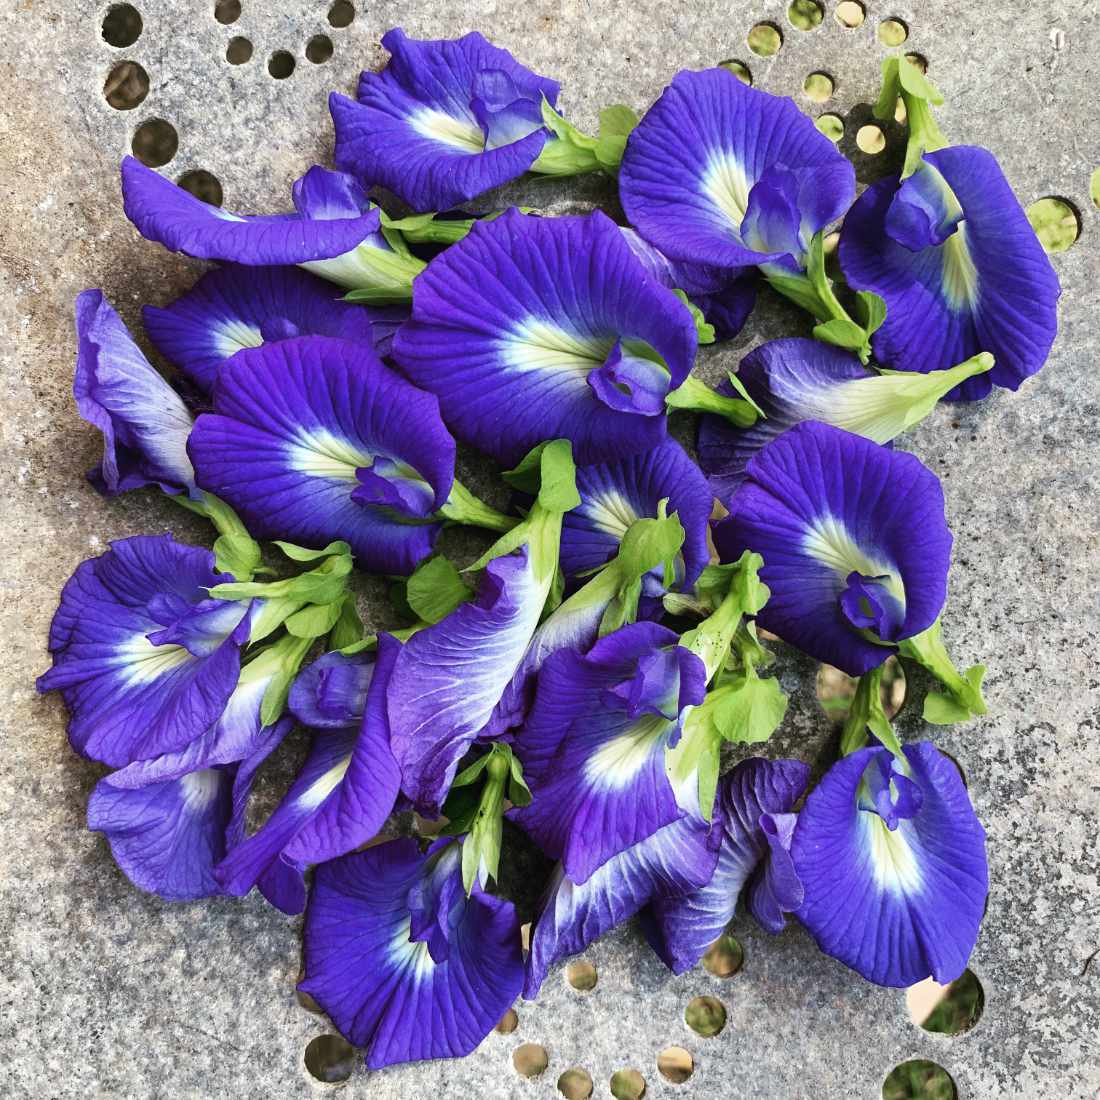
(106, 992)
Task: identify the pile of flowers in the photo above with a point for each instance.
(583, 677)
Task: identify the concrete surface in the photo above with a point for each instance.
(105, 992)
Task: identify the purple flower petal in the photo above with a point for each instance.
(449, 677)
(167, 836)
(792, 380)
(593, 746)
(675, 860)
(294, 421)
(242, 307)
(988, 286)
(750, 800)
(176, 219)
(898, 905)
(701, 176)
(331, 693)
(510, 324)
(443, 122)
(143, 420)
(129, 699)
(385, 990)
(820, 504)
(340, 799)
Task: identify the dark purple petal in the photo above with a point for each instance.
(898, 905)
(295, 420)
(129, 699)
(242, 307)
(143, 420)
(987, 287)
(681, 929)
(443, 122)
(176, 219)
(695, 161)
(819, 504)
(509, 324)
(385, 991)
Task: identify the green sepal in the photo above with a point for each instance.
(841, 333)
(888, 94)
(435, 589)
(648, 543)
(704, 332)
(424, 229)
(963, 698)
(533, 472)
(697, 396)
(464, 507)
(900, 77)
(288, 653)
(569, 152)
(480, 815)
(745, 594)
(237, 554)
(866, 712)
(314, 619)
(348, 628)
(304, 554)
(617, 122)
(872, 308)
(381, 276)
(891, 402)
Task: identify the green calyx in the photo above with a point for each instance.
(962, 698)
(866, 713)
(375, 276)
(435, 589)
(741, 706)
(572, 153)
(431, 229)
(464, 508)
(235, 550)
(704, 332)
(882, 406)
(814, 292)
(480, 813)
(741, 412)
(902, 79)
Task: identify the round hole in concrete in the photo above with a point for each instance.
(127, 84)
(819, 87)
(892, 32)
(581, 975)
(238, 51)
(805, 14)
(575, 1084)
(1094, 188)
(627, 1084)
(739, 70)
(227, 11)
(870, 139)
(706, 1016)
(203, 185)
(508, 1022)
(832, 126)
(1056, 222)
(341, 13)
(122, 25)
(946, 1009)
(319, 49)
(155, 142)
(330, 1058)
(765, 39)
(900, 113)
(919, 60)
(919, 1080)
(850, 14)
(675, 1064)
(530, 1059)
(724, 957)
(828, 245)
(280, 64)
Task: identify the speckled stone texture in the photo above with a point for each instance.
(105, 992)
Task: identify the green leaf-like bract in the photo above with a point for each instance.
(435, 589)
